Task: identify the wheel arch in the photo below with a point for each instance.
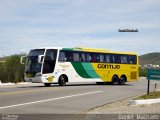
(115, 75)
(66, 77)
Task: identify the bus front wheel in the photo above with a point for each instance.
(62, 80)
(115, 80)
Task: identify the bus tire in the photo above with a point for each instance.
(122, 80)
(62, 80)
(47, 84)
(115, 80)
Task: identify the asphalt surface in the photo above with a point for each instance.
(70, 99)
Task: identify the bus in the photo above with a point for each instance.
(62, 65)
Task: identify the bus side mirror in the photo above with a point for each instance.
(40, 58)
(22, 59)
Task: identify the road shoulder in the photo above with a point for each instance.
(123, 107)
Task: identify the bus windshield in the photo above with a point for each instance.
(32, 64)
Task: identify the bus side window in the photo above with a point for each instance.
(107, 58)
(88, 57)
(76, 57)
(93, 57)
(132, 59)
(69, 56)
(82, 57)
(62, 56)
(113, 60)
(124, 59)
(117, 58)
(101, 56)
(97, 58)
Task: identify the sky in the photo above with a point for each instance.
(28, 24)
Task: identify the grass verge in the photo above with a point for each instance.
(152, 95)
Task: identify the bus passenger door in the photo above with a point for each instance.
(49, 61)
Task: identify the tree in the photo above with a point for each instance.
(142, 72)
(3, 74)
(11, 70)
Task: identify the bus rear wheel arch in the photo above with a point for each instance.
(62, 80)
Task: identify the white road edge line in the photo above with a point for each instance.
(50, 99)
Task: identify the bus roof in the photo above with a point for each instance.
(88, 50)
(97, 50)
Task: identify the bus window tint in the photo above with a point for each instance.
(112, 59)
(75, 56)
(101, 57)
(82, 57)
(97, 58)
(132, 59)
(107, 58)
(62, 56)
(117, 58)
(93, 57)
(69, 56)
(88, 57)
(123, 59)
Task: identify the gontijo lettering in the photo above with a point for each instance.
(107, 66)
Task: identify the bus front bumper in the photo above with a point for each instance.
(34, 80)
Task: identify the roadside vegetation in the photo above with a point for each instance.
(142, 72)
(11, 70)
(152, 95)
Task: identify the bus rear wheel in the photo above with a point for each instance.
(122, 81)
(62, 80)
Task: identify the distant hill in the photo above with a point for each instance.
(150, 58)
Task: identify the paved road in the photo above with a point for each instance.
(73, 98)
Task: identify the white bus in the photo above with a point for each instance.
(61, 65)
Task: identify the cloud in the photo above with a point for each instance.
(70, 23)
